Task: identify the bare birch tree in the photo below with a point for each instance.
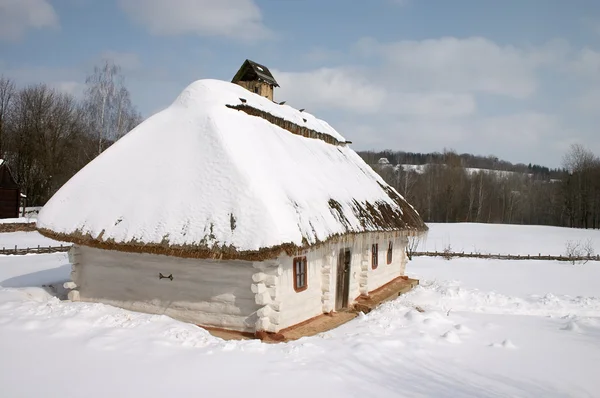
(108, 105)
(7, 91)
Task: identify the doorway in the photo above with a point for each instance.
(342, 290)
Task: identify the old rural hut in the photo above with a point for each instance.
(228, 210)
(256, 78)
(10, 194)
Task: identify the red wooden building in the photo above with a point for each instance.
(10, 194)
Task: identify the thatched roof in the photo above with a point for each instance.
(205, 179)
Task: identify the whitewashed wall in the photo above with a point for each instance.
(385, 272)
(297, 307)
(204, 292)
(237, 295)
(319, 297)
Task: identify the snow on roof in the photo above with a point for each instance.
(200, 175)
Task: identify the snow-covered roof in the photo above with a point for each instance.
(202, 177)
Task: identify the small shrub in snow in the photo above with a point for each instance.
(447, 253)
(412, 245)
(579, 252)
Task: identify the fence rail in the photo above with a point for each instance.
(449, 255)
(34, 250)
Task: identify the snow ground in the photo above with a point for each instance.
(23, 240)
(490, 328)
(505, 239)
(33, 270)
(20, 220)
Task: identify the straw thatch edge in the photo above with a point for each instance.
(287, 125)
(216, 253)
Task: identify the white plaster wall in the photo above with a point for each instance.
(385, 272)
(204, 292)
(295, 306)
(319, 297)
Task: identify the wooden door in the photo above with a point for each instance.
(342, 290)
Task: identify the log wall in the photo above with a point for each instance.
(204, 292)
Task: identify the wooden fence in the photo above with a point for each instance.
(447, 255)
(35, 250)
(450, 255)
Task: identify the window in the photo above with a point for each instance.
(300, 274)
(389, 253)
(374, 255)
(257, 89)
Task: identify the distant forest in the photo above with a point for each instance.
(467, 160)
(446, 188)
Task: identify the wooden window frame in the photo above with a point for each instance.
(302, 260)
(389, 252)
(374, 255)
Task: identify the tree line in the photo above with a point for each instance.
(467, 160)
(47, 135)
(447, 187)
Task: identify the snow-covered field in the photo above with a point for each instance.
(489, 328)
(20, 220)
(24, 240)
(505, 239)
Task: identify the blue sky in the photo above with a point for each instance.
(517, 79)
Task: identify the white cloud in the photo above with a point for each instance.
(74, 88)
(352, 90)
(71, 79)
(330, 88)
(472, 64)
(589, 101)
(514, 137)
(19, 16)
(433, 78)
(431, 104)
(238, 19)
(472, 95)
(64, 79)
(587, 64)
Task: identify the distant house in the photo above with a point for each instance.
(256, 78)
(228, 210)
(10, 194)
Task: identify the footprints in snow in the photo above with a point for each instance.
(505, 344)
(453, 335)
